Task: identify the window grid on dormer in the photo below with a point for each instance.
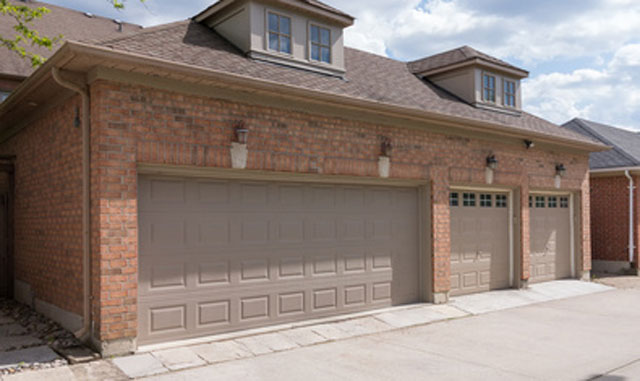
(489, 88)
(509, 93)
(279, 33)
(320, 39)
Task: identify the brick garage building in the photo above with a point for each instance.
(614, 209)
(243, 169)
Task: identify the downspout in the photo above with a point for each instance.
(82, 90)
(631, 240)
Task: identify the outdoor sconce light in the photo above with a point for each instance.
(529, 144)
(242, 132)
(492, 162)
(384, 162)
(239, 151)
(492, 165)
(386, 147)
(560, 172)
(76, 120)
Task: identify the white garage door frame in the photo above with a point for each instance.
(510, 193)
(423, 223)
(572, 217)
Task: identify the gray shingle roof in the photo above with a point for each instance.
(368, 76)
(73, 25)
(626, 144)
(453, 57)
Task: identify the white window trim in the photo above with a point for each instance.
(495, 87)
(266, 32)
(515, 92)
(314, 23)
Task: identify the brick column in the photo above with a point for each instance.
(114, 223)
(585, 270)
(441, 235)
(525, 232)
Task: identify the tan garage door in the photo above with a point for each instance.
(219, 256)
(550, 237)
(479, 241)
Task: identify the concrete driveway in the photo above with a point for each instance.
(543, 333)
(581, 338)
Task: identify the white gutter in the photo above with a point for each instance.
(614, 170)
(631, 230)
(82, 90)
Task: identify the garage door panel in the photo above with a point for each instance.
(251, 254)
(550, 238)
(479, 242)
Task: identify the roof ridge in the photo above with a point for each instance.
(144, 31)
(585, 125)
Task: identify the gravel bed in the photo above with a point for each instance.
(36, 325)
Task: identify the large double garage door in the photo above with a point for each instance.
(481, 240)
(218, 255)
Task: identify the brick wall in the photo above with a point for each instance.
(48, 206)
(134, 124)
(610, 218)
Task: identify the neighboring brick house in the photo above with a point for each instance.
(245, 169)
(614, 208)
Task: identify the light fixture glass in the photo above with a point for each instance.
(492, 162)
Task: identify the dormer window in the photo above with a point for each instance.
(509, 93)
(320, 39)
(279, 33)
(489, 88)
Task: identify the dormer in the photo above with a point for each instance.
(305, 34)
(477, 78)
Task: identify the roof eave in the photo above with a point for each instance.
(71, 49)
(516, 72)
(340, 18)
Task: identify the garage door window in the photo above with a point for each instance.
(501, 201)
(553, 202)
(485, 201)
(540, 201)
(469, 199)
(453, 199)
(564, 202)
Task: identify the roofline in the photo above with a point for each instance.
(70, 49)
(339, 17)
(614, 171)
(470, 62)
(606, 141)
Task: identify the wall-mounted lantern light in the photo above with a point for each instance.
(384, 162)
(492, 165)
(239, 151)
(386, 147)
(560, 172)
(76, 120)
(492, 162)
(241, 131)
(529, 144)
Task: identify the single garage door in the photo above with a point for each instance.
(479, 241)
(550, 237)
(218, 256)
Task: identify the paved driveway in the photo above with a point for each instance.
(580, 338)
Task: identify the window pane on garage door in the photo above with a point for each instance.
(479, 241)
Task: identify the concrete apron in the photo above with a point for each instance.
(155, 360)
